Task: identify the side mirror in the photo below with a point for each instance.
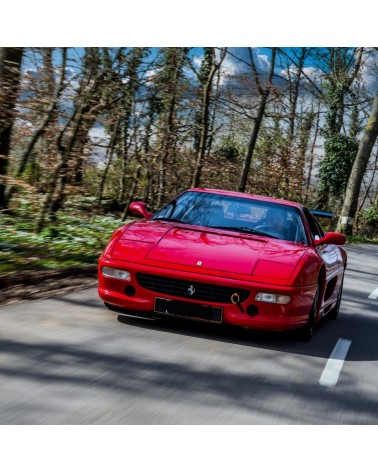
(331, 238)
(140, 208)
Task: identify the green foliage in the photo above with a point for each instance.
(144, 108)
(74, 241)
(207, 63)
(334, 98)
(229, 151)
(231, 147)
(369, 222)
(339, 150)
(360, 239)
(370, 215)
(334, 169)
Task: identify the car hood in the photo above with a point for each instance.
(209, 250)
(202, 250)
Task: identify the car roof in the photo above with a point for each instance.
(248, 196)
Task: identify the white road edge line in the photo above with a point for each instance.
(332, 370)
(374, 294)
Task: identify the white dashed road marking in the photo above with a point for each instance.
(332, 370)
(374, 294)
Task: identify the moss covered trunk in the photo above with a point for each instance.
(348, 212)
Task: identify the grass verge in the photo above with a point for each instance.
(75, 241)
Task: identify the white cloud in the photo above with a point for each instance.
(99, 139)
(197, 61)
(309, 73)
(238, 61)
(229, 66)
(369, 70)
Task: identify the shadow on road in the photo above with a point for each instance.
(69, 371)
(361, 329)
(355, 322)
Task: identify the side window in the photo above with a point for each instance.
(316, 230)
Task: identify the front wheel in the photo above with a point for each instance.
(334, 313)
(305, 333)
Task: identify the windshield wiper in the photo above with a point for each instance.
(244, 229)
(175, 220)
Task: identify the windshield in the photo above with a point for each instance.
(235, 214)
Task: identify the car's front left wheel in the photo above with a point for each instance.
(305, 333)
(334, 312)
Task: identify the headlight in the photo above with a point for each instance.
(116, 273)
(272, 298)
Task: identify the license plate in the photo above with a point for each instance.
(195, 311)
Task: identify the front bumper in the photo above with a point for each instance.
(272, 317)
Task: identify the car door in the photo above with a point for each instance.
(328, 252)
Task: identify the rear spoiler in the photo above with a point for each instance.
(322, 214)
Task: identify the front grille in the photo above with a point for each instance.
(190, 289)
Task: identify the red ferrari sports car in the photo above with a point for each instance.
(226, 257)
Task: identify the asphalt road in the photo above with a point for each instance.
(68, 360)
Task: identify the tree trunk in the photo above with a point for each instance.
(173, 69)
(42, 126)
(55, 194)
(58, 184)
(10, 65)
(252, 143)
(108, 160)
(71, 137)
(256, 126)
(305, 127)
(133, 63)
(205, 121)
(348, 212)
(131, 193)
(312, 157)
(295, 95)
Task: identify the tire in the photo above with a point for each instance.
(305, 334)
(334, 313)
